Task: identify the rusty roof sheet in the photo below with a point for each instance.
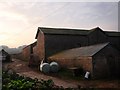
(79, 52)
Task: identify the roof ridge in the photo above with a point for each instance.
(75, 29)
(72, 31)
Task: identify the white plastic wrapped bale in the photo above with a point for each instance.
(87, 74)
(54, 67)
(45, 67)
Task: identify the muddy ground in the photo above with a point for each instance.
(21, 67)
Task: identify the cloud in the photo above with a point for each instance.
(46, 13)
(21, 19)
(13, 16)
(84, 15)
(59, 1)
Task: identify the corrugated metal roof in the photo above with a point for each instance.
(65, 31)
(117, 34)
(61, 31)
(78, 52)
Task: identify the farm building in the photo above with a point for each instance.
(4, 56)
(53, 40)
(101, 60)
(77, 48)
(27, 51)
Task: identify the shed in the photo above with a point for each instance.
(4, 56)
(101, 60)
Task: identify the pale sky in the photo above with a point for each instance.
(19, 20)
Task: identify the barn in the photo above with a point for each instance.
(4, 56)
(101, 60)
(77, 48)
(55, 40)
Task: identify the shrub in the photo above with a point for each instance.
(15, 82)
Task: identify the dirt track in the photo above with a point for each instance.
(22, 68)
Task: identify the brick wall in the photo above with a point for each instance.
(83, 62)
(39, 50)
(26, 53)
(64, 63)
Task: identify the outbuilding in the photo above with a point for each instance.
(101, 60)
(4, 56)
(27, 51)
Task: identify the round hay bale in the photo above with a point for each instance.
(45, 67)
(54, 67)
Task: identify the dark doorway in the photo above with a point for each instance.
(78, 45)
